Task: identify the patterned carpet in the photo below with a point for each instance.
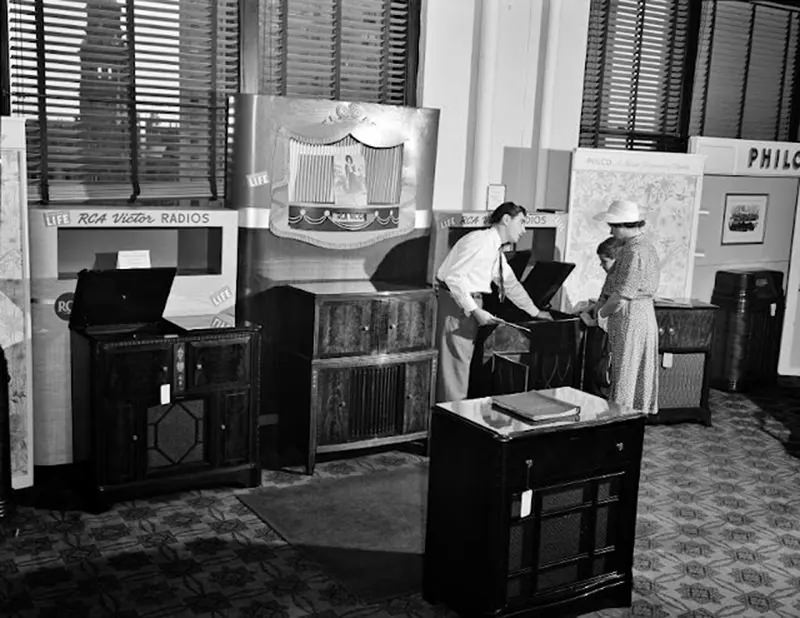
(718, 535)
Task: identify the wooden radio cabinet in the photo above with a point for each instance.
(685, 335)
(550, 355)
(156, 407)
(532, 519)
(359, 365)
(747, 328)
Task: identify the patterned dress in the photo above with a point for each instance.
(632, 330)
(604, 292)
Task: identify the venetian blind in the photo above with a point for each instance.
(125, 99)
(355, 50)
(633, 85)
(747, 71)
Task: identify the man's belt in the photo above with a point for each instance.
(439, 284)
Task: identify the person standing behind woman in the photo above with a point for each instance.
(597, 377)
(607, 254)
(632, 327)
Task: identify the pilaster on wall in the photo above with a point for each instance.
(446, 77)
(559, 114)
(507, 76)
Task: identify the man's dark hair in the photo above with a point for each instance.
(506, 208)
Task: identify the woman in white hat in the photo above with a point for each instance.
(632, 327)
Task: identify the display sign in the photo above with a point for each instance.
(667, 187)
(739, 157)
(200, 242)
(481, 219)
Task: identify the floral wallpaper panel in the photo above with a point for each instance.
(15, 336)
(667, 187)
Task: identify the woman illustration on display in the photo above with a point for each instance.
(632, 327)
(353, 183)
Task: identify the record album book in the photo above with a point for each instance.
(536, 407)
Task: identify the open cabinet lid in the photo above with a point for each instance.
(120, 296)
(544, 280)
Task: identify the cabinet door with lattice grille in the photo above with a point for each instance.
(176, 437)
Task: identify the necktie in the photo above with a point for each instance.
(501, 286)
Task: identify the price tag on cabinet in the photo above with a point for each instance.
(165, 394)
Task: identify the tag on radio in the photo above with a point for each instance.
(164, 394)
(666, 360)
(526, 501)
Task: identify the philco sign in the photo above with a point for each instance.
(773, 158)
(741, 157)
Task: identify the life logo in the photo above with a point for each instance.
(63, 305)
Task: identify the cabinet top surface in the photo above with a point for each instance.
(682, 303)
(164, 330)
(594, 411)
(356, 287)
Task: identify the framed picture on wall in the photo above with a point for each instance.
(744, 219)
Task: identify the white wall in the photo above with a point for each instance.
(507, 76)
(562, 100)
(446, 77)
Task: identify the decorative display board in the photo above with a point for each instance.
(765, 234)
(335, 174)
(667, 187)
(15, 319)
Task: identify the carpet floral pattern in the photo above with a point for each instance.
(718, 534)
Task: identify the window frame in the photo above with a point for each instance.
(592, 131)
(596, 107)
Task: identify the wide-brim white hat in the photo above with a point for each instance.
(620, 211)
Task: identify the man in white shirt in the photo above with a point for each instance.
(469, 269)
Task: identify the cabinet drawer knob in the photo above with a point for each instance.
(365, 328)
(222, 427)
(661, 330)
(199, 366)
(620, 446)
(671, 330)
(135, 437)
(392, 326)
